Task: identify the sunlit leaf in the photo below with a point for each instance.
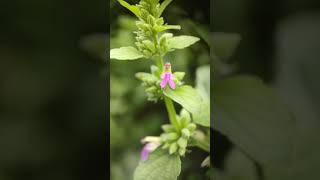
(187, 97)
(181, 42)
(134, 9)
(125, 53)
(167, 27)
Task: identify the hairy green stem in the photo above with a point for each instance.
(172, 112)
(159, 62)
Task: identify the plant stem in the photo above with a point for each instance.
(159, 63)
(169, 104)
(172, 112)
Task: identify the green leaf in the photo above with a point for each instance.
(159, 166)
(203, 118)
(181, 42)
(203, 82)
(166, 27)
(203, 87)
(224, 44)
(134, 9)
(186, 96)
(254, 119)
(164, 5)
(125, 53)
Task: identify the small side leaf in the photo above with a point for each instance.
(167, 27)
(181, 42)
(159, 166)
(187, 97)
(163, 6)
(134, 9)
(125, 53)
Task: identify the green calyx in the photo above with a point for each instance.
(176, 140)
(151, 82)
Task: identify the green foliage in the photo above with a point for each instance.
(253, 118)
(164, 5)
(203, 87)
(186, 96)
(153, 42)
(132, 8)
(151, 81)
(125, 53)
(176, 140)
(159, 166)
(181, 42)
(148, 39)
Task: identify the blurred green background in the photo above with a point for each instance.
(132, 117)
(53, 94)
(280, 43)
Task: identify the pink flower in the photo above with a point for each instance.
(153, 144)
(167, 77)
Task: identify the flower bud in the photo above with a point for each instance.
(154, 70)
(144, 14)
(173, 148)
(151, 19)
(149, 45)
(192, 127)
(166, 146)
(182, 142)
(182, 151)
(147, 53)
(160, 21)
(169, 136)
(151, 89)
(140, 24)
(167, 128)
(142, 75)
(185, 133)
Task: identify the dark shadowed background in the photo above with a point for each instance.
(280, 43)
(53, 94)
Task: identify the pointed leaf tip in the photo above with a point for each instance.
(125, 53)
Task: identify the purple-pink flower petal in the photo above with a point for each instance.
(172, 84)
(145, 152)
(147, 149)
(167, 77)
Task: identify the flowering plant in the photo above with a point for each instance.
(161, 155)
